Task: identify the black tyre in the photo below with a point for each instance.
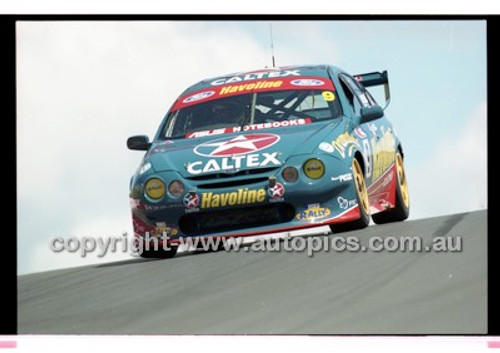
(402, 209)
(160, 253)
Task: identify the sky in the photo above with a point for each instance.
(84, 87)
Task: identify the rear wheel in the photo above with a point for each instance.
(402, 209)
(363, 202)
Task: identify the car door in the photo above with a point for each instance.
(376, 137)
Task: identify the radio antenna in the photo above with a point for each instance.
(272, 44)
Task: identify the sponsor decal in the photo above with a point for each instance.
(235, 153)
(313, 212)
(307, 82)
(326, 147)
(162, 229)
(276, 193)
(255, 76)
(248, 87)
(238, 197)
(343, 177)
(235, 146)
(345, 142)
(231, 87)
(204, 133)
(367, 157)
(345, 204)
(149, 207)
(360, 133)
(227, 130)
(274, 124)
(191, 201)
(383, 181)
(387, 179)
(227, 164)
(198, 96)
(383, 152)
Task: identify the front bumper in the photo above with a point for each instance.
(248, 205)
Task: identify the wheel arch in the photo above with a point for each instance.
(361, 160)
(399, 149)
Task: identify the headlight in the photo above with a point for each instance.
(314, 168)
(176, 188)
(290, 174)
(154, 188)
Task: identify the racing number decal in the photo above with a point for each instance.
(367, 156)
(383, 152)
(328, 96)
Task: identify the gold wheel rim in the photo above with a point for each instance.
(402, 183)
(359, 182)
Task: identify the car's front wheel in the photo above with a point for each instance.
(159, 253)
(363, 202)
(402, 209)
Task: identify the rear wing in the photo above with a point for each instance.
(376, 79)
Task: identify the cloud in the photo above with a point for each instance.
(83, 88)
(454, 178)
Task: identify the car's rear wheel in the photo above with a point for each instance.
(363, 202)
(402, 209)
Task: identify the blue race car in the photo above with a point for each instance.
(269, 151)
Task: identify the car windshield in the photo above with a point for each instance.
(252, 111)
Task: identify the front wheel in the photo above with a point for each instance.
(363, 202)
(159, 253)
(402, 209)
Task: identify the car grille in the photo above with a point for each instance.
(225, 180)
(231, 175)
(227, 184)
(235, 219)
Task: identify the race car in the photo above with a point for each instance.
(268, 151)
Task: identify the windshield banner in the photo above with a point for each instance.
(252, 127)
(264, 85)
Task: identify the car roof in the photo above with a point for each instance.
(303, 70)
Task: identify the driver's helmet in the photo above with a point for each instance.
(227, 112)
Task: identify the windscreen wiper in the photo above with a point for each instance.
(250, 116)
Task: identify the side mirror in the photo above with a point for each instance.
(139, 143)
(371, 113)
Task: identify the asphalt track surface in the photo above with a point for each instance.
(274, 292)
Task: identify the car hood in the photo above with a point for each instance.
(226, 153)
